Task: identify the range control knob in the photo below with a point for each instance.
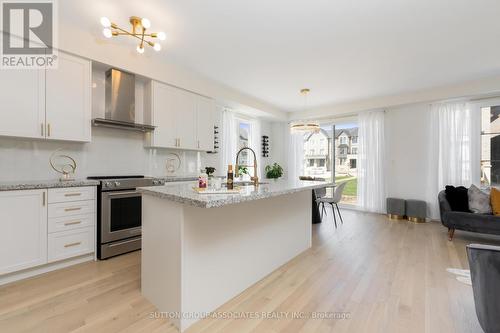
(117, 183)
(156, 182)
(107, 184)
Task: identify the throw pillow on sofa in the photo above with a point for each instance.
(457, 198)
(495, 200)
(479, 201)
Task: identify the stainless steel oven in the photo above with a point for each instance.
(120, 214)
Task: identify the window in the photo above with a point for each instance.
(346, 168)
(318, 144)
(490, 145)
(352, 163)
(243, 141)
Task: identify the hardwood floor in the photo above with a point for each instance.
(385, 276)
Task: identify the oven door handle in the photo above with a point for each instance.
(119, 194)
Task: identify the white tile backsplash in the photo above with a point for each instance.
(111, 152)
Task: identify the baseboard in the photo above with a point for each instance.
(30, 272)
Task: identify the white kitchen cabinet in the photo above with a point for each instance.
(183, 120)
(186, 120)
(23, 220)
(72, 243)
(205, 114)
(48, 104)
(22, 96)
(68, 99)
(159, 101)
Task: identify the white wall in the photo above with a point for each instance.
(407, 142)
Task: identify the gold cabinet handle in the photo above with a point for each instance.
(48, 129)
(72, 209)
(72, 194)
(43, 199)
(72, 244)
(72, 223)
(41, 129)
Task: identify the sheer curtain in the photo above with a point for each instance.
(255, 143)
(371, 161)
(454, 148)
(295, 155)
(229, 140)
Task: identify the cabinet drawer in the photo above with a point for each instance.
(71, 194)
(64, 223)
(64, 209)
(67, 244)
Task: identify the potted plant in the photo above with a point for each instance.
(209, 171)
(274, 171)
(243, 172)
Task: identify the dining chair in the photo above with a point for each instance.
(320, 193)
(334, 200)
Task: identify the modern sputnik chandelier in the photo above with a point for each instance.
(139, 27)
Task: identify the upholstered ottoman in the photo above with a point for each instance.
(416, 210)
(395, 208)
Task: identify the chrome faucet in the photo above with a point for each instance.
(255, 179)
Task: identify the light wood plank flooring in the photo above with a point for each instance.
(387, 276)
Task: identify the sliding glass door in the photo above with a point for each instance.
(332, 154)
(346, 160)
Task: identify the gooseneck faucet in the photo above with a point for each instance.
(255, 179)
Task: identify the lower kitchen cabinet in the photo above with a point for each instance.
(45, 226)
(23, 239)
(67, 244)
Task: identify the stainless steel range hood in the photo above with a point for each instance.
(120, 103)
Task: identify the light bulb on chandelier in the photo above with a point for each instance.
(138, 31)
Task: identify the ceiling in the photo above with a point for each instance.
(342, 50)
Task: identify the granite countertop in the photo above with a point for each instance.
(40, 184)
(169, 179)
(184, 193)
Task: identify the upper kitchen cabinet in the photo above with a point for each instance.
(22, 96)
(48, 104)
(183, 120)
(205, 114)
(68, 99)
(186, 120)
(159, 110)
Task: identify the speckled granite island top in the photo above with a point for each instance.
(183, 192)
(40, 184)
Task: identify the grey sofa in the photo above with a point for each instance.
(484, 263)
(481, 223)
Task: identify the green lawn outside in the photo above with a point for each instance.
(351, 189)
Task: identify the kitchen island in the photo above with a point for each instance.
(201, 250)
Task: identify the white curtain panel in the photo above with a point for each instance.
(295, 149)
(454, 151)
(229, 140)
(255, 144)
(371, 161)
